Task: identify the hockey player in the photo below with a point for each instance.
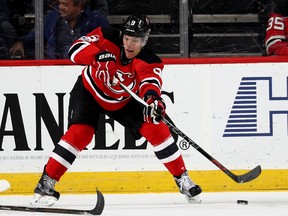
(111, 54)
(276, 40)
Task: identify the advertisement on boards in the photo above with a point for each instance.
(235, 112)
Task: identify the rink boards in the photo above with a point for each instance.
(236, 111)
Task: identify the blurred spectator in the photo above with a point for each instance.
(99, 6)
(276, 40)
(7, 31)
(62, 26)
(19, 10)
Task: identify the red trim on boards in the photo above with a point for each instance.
(230, 60)
(13, 63)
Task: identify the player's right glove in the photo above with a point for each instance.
(156, 109)
(105, 64)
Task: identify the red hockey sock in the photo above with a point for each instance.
(65, 152)
(176, 167)
(79, 135)
(54, 169)
(165, 147)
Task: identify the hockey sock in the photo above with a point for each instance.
(54, 169)
(164, 147)
(79, 135)
(68, 148)
(169, 154)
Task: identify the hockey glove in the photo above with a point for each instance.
(156, 109)
(105, 64)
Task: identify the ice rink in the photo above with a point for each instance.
(169, 204)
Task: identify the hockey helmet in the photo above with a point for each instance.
(137, 26)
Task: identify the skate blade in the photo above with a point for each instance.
(39, 200)
(194, 200)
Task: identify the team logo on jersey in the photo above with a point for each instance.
(124, 75)
(255, 107)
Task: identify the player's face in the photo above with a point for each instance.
(68, 10)
(132, 46)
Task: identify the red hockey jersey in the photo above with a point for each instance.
(140, 74)
(276, 42)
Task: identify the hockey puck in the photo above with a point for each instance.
(242, 202)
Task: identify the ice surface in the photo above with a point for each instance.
(168, 204)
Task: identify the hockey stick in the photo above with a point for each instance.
(249, 176)
(97, 210)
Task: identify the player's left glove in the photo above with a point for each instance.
(156, 109)
(105, 64)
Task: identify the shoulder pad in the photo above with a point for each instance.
(149, 56)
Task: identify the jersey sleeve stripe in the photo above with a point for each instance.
(75, 49)
(150, 80)
(273, 38)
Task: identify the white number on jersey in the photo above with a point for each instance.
(275, 22)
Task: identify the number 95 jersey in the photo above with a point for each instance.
(276, 35)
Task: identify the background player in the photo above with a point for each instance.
(276, 42)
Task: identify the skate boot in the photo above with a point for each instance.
(45, 194)
(188, 188)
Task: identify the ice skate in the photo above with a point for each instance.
(188, 188)
(45, 194)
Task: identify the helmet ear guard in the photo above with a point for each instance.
(145, 39)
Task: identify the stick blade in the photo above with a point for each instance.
(100, 204)
(98, 209)
(249, 176)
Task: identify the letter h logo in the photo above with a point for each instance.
(255, 108)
